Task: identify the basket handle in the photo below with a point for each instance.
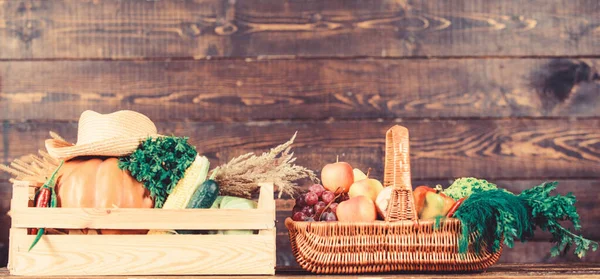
(397, 174)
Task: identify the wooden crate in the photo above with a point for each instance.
(142, 254)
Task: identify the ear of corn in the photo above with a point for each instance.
(194, 176)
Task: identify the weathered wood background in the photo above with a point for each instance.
(503, 90)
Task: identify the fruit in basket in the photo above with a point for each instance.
(317, 189)
(333, 207)
(382, 200)
(419, 197)
(431, 202)
(99, 183)
(325, 207)
(320, 207)
(300, 200)
(368, 187)
(308, 210)
(337, 175)
(328, 197)
(434, 206)
(358, 175)
(357, 209)
(448, 203)
(328, 217)
(299, 216)
(311, 198)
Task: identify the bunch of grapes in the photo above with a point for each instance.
(313, 205)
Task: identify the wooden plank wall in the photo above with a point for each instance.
(503, 90)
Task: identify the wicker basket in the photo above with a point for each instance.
(400, 243)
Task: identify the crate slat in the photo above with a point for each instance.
(135, 218)
(143, 254)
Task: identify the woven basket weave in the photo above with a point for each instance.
(400, 243)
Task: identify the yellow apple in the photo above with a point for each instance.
(368, 187)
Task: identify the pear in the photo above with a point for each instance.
(358, 175)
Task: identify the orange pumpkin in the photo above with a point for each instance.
(99, 183)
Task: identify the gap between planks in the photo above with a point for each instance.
(299, 57)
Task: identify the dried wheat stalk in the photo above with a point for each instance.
(33, 168)
(239, 177)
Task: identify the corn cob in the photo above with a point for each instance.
(194, 176)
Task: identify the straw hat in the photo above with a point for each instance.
(114, 134)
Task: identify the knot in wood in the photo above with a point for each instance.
(191, 29)
(25, 30)
(226, 29)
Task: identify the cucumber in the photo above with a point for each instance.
(204, 197)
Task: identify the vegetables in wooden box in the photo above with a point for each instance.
(99, 183)
(159, 164)
(194, 176)
(205, 195)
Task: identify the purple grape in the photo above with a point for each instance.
(319, 207)
(343, 197)
(308, 210)
(333, 207)
(317, 189)
(299, 216)
(311, 198)
(328, 217)
(327, 197)
(301, 201)
(309, 219)
(297, 208)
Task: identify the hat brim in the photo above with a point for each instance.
(115, 147)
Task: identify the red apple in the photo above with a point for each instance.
(357, 209)
(337, 175)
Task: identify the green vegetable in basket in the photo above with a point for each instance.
(487, 216)
(490, 215)
(548, 210)
(466, 186)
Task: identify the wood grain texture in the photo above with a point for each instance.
(266, 201)
(491, 149)
(218, 28)
(253, 90)
(120, 218)
(143, 254)
(499, 271)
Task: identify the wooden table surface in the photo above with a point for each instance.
(577, 270)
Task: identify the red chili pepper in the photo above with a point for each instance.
(46, 198)
(455, 207)
(43, 200)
